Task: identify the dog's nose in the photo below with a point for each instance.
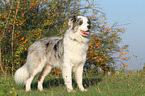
(89, 27)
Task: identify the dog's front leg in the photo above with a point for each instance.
(79, 76)
(67, 76)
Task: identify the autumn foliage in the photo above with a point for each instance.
(25, 21)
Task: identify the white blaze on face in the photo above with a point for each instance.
(84, 26)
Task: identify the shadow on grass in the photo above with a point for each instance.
(55, 82)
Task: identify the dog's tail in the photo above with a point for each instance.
(21, 75)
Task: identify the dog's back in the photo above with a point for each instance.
(49, 48)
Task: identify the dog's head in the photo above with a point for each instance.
(80, 24)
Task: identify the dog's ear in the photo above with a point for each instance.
(72, 20)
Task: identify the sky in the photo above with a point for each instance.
(131, 15)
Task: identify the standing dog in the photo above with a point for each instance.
(68, 53)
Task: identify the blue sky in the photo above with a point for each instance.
(132, 13)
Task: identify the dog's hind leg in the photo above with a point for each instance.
(35, 68)
(79, 76)
(46, 70)
(29, 80)
(28, 83)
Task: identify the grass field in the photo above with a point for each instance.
(113, 85)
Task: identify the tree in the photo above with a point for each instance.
(25, 21)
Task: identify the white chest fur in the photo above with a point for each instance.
(75, 48)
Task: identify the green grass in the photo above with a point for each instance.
(114, 85)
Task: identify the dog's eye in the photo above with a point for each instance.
(81, 22)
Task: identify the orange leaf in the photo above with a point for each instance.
(125, 53)
(125, 65)
(31, 4)
(89, 6)
(97, 60)
(122, 30)
(91, 51)
(5, 0)
(125, 58)
(94, 57)
(121, 55)
(22, 38)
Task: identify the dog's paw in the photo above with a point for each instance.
(84, 90)
(28, 90)
(71, 91)
(41, 89)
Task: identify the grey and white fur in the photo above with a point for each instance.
(68, 54)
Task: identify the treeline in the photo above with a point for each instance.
(24, 21)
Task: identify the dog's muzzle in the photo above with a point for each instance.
(85, 33)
